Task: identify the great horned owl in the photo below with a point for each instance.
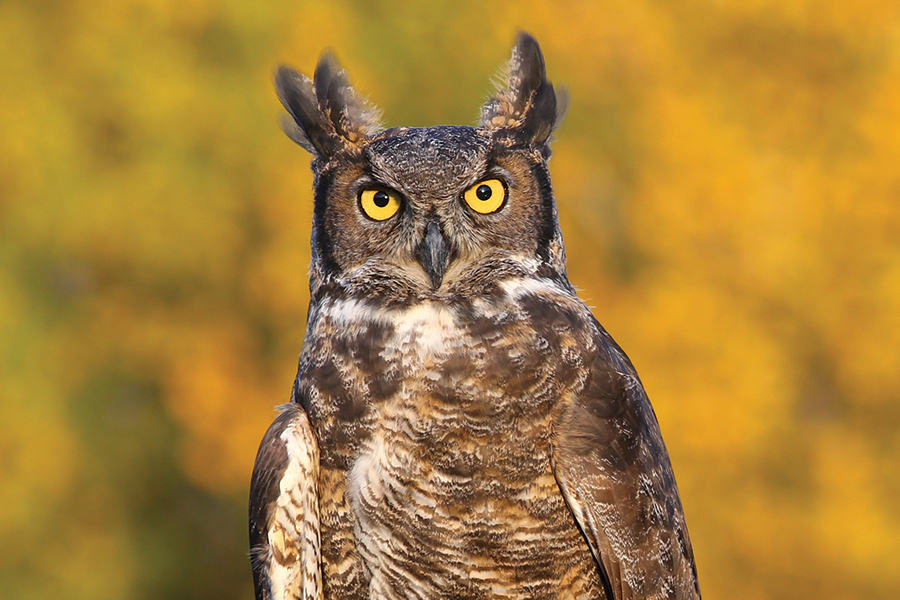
(461, 426)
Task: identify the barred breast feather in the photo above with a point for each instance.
(493, 457)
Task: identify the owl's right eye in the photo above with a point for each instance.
(379, 204)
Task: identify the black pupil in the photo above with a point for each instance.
(483, 192)
(381, 199)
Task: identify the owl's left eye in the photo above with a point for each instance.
(486, 196)
(379, 204)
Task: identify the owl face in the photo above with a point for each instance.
(426, 212)
(432, 205)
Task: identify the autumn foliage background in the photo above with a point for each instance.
(728, 186)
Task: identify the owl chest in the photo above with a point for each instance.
(452, 388)
(441, 425)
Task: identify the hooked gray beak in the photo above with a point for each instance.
(433, 253)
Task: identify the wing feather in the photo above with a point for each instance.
(614, 473)
(284, 511)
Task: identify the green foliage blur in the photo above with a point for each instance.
(728, 186)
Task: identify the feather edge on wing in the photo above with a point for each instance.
(614, 473)
(284, 511)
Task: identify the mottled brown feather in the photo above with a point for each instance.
(613, 469)
(271, 461)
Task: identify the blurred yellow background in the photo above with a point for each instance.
(728, 181)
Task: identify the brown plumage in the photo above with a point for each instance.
(461, 426)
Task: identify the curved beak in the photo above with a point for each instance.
(433, 253)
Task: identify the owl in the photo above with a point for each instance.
(461, 426)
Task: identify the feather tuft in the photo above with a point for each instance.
(525, 102)
(326, 113)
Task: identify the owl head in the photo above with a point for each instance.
(446, 211)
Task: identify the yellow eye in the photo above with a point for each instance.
(486, 196)
(379, 204)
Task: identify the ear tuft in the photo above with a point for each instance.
(309, 127)
(327, 114)
(525, 103)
